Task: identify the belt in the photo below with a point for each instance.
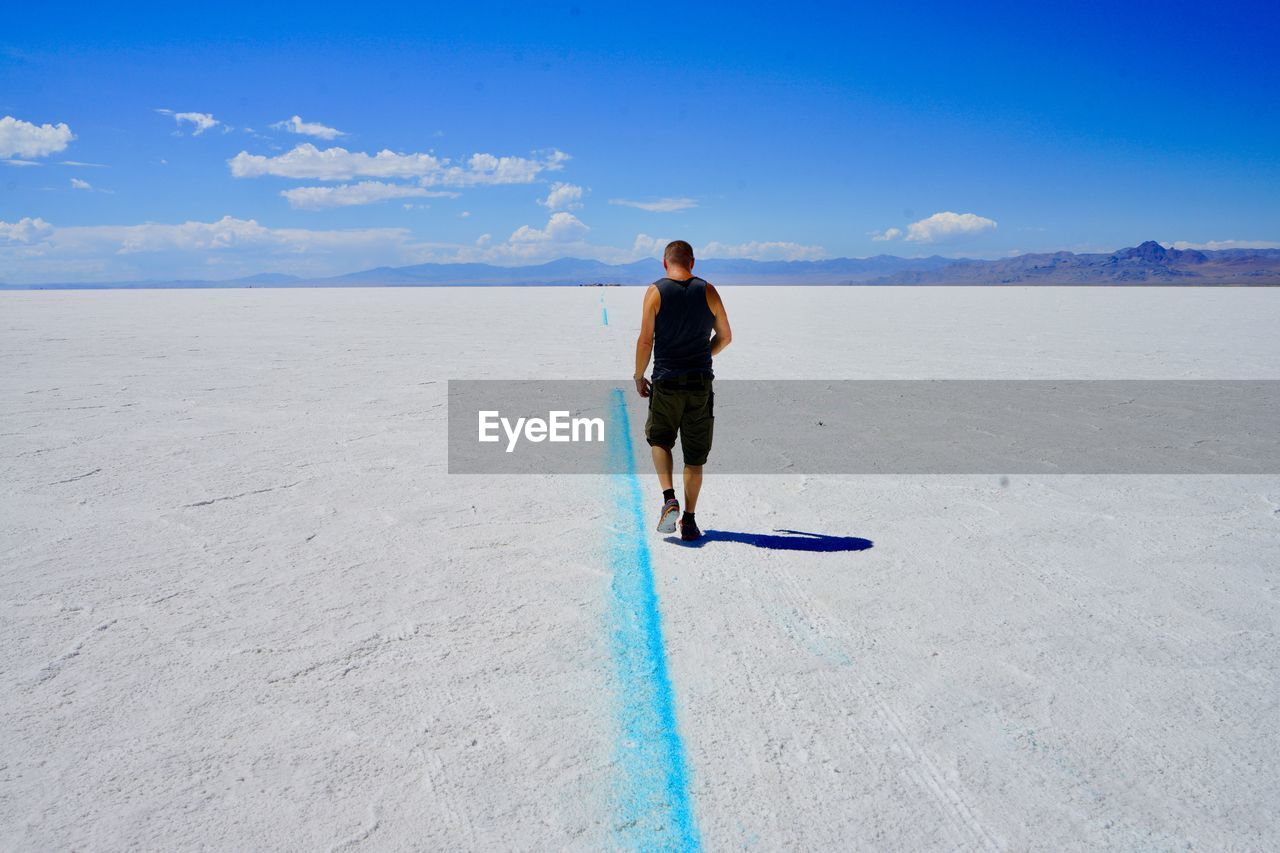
(685, 380)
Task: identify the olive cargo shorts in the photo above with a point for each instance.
(684, 405)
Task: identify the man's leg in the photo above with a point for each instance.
(663, 465)
(660, 428)
(692, 485)
(696, 430)
(670, 506)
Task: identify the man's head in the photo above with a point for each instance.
(678, 256)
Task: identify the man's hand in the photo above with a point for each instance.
(643, 388)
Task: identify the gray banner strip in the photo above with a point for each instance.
(883, 427)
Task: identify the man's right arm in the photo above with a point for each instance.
(644, 343)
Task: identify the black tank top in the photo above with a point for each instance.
(682, 334)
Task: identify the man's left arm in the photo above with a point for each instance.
(723, 335)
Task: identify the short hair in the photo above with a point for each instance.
(680, 253)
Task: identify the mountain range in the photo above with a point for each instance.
(1149, 263)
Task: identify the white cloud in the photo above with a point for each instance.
(333, 164)
(25, 230)
(20, 162)
(561, 228)
(648, 247)
(81, 163)
(939, 227)
(24, 139)
(767, 251)
(339, 164)
(365, 192)
(32, 250)
(564, 236)
(231, 233)
(658, 205)
(308, 128)
(464, 214)
(947, 225)
(486, 169)
(200, 122)
(562, 196)
(1214, 245)
(80, 184)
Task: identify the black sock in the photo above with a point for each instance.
(688, 516)
(668, 494)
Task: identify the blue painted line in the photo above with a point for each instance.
(653, 807)
(604, 309)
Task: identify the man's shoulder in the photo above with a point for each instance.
(697, 279)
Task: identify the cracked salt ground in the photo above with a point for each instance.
(241, 495)
(243, 606)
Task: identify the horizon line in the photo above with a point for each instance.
(325, 278)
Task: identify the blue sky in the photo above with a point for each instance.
(601, 131)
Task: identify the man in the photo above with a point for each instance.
(682, 325)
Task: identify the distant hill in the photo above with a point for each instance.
(577, 271)
(1148, 263)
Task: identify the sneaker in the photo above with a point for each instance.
(689, 531)
(667, 521)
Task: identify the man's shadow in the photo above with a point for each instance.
(796, 540)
